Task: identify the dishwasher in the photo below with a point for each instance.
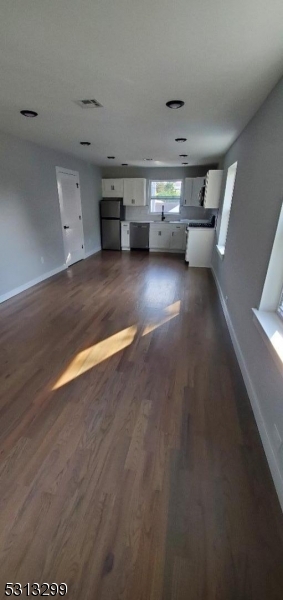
(139, 236)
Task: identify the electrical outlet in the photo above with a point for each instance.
(277, 439)
(226, 298)
(42, 260)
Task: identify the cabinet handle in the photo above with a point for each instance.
(133, 201)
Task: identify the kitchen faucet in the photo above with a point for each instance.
(162, 213)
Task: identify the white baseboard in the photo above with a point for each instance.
(163, 251)
(31, 283)
(265, 438)
(167, 251)
(93, 251)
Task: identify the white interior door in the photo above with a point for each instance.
(71, 215)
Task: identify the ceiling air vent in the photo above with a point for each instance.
(89, 103)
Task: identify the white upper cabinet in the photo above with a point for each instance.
(212, 188)
(135, 192)
(112, 188)
(198, 183)
(193, 186)
(188, 191)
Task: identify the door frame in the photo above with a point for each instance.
(76, 174)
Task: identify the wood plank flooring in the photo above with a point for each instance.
(130, 463)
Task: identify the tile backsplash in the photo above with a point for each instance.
(141, 213)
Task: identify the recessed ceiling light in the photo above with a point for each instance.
(85, 143)
(148, 159)
(185, 163)
(124, 164)
(112, 157)
(29, 113)
(175, 103)
(183, 155)
(180, 139)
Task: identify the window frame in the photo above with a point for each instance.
(280, 306)
(267, 317)
(226, 208)
(180, 200)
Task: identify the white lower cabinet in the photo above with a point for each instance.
(178, 237)
(125, 235)
(167, 236)
(158, 236)
(199, 247)
(162, 236)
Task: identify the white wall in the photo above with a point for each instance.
(256, 205)
(30, 225)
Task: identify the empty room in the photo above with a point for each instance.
(141, 299)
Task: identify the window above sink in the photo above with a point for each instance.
(165, 193)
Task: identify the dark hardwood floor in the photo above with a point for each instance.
(131, 466)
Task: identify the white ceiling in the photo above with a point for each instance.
(220, 56)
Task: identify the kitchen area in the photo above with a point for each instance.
(157, 215)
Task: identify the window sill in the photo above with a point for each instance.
(270, 327)
(221, 251)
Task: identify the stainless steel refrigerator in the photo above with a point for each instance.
(111, 215)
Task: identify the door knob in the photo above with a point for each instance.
(66, 227)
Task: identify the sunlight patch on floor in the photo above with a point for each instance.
(96, 354)
(170, 312)
(89, 358)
